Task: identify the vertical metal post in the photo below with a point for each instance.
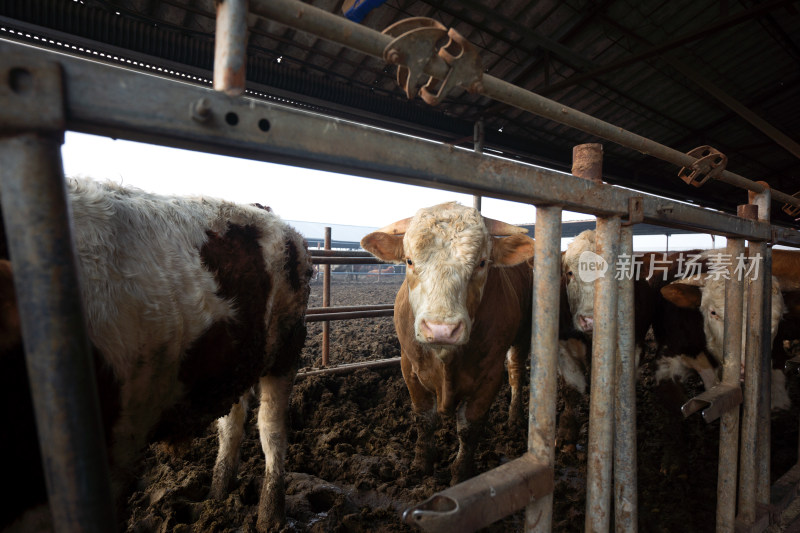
(625, 486)
(477, 139)
(326, 302)
(60, 367)
(601, 399)
(544, 357)
(729, 422)
(230, 44)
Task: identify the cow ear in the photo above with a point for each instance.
(682, 295)
(511, 250)
(384, 246)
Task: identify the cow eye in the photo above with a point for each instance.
(713, 313)
(483, 263)
(569, 273)
(409, 262)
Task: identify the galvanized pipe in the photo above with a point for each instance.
(348, 308)
(544, 358)
(477, 140)
(315, 254)
(325, 317)
(346, 260)
(763, 461)
(230, 47)
(58, 355)
(601, 399)
(625, 485)
(326, 301)
(729, 423)
(328, 26)
(756, 322)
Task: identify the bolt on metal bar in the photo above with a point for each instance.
(601, 396)
(57, 350)
(326, 301)
(230, 47)
(544, 358)
(328, 26)
(729, 423)
(625, 485)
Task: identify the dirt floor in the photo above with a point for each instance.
(351, 445)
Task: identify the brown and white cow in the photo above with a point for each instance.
(463, 307)
(190, 302)
(709, 298)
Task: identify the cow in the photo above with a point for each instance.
(190, 303)
(460, 311)
(709, 298)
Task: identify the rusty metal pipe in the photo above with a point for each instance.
(325, 317)
(349, 367)
(328, 26)
(230, 47)
(477, 141)
(544, 358)
(729, 423)
(326, 302)
(601, 399)
(625, 493)
(57, 350)
(477, 502)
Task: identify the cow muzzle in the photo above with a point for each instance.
(586, 323)
(442, 332)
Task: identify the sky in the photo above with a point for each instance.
(294, 193)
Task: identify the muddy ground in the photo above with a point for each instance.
(351, 444)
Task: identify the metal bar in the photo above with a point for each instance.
(719, 399)
(748, 455)
(338, 253)
(230, 47)
(326, 302)
(478, 137)
(763, 429)
(544, 358)
(345, 260)
(729, 423)
(625, 484)
(349, 367)
(96, 104)
(328, 26)
(325, 317)
(601, 403)
(58, 354)
(477, 502)
(348, 308)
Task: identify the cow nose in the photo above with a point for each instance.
(586, 322)
(441, 333)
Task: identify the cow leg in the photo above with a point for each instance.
(426, 419)
(230, 431)
(516, 366)
(572, 365)
(670, 371)
(568, 421)
(273, 416)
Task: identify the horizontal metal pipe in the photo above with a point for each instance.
(326, 317)
(347, 308)
(349, 367)
(477, 502)
(96, 103)
(346, 260)
(338, 253)
(328, 26)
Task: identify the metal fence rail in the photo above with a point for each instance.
(97, 99)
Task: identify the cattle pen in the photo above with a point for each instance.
(44, 93)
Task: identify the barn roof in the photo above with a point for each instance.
(685, 74)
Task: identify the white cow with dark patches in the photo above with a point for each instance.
(190, 302)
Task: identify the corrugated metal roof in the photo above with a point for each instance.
(645, 66)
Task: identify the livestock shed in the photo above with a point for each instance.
(695, 104)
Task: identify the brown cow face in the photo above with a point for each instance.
(448, 250)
